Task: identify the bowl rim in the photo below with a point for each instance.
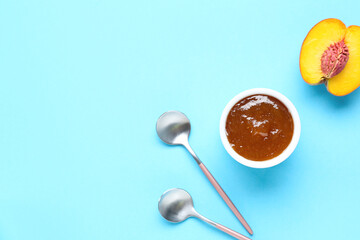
(288, 150)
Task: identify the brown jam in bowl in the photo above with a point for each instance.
(259, 127)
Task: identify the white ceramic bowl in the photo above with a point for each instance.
(276, 160)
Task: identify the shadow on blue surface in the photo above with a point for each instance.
(333, 102)
(268, 178)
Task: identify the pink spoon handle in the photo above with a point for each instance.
(227, 201)
(231, 232)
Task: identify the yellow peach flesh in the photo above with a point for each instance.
(320, 37)
(349, 78)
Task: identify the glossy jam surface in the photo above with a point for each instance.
(259, 127)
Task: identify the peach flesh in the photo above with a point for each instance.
(324, 38)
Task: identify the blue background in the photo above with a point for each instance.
(82, 84)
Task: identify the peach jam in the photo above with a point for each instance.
(259, 127)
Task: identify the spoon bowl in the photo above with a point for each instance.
(173, 127)
(176, 205)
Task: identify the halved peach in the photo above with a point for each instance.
(330, 54)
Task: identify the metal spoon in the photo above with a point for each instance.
(173, 128)
(176, 205)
